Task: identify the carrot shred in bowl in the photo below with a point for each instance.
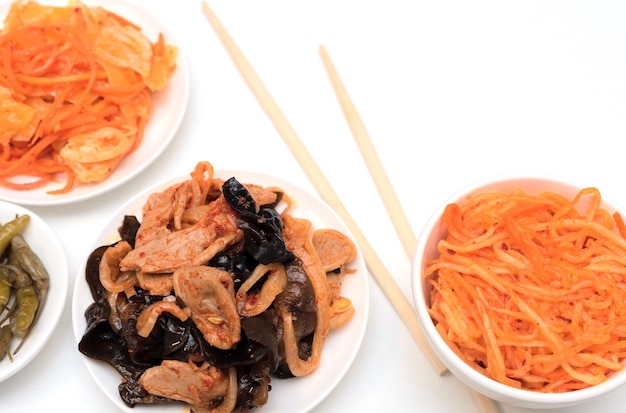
(75, 88)
(530, 289)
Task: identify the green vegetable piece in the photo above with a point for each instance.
(8, 230)
(23, 256)
(5, 289)
(27, 303)
(5, 342)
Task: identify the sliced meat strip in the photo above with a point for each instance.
(196, 245)
(261, 195)
(334, 248)
(155, 284)
(158, 211)
(210, 294)
(200, 386)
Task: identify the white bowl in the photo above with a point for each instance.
(44, 242)
(426, 248)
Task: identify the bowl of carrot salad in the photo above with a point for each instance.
(520, 285)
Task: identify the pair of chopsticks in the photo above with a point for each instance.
(375, 265)
(383, 185)
(390, 288)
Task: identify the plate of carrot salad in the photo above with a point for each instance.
(531, 289)
(90, 95)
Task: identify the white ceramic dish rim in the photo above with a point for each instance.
(299, 394)
(474, 379)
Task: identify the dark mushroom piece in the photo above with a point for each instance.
(263, 229)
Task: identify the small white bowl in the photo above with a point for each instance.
(426, 248)
(44, 242)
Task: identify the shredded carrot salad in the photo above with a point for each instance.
(75, 90)
(531, 290)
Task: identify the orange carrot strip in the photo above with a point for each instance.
(37, 80)
(619, 221)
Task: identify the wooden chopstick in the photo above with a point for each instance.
(375, 265)
(394, 209)
(377, 171)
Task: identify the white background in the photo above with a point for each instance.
(451, 92)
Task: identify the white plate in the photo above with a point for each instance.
(44, 242)
(287, 396)
(168, 109)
